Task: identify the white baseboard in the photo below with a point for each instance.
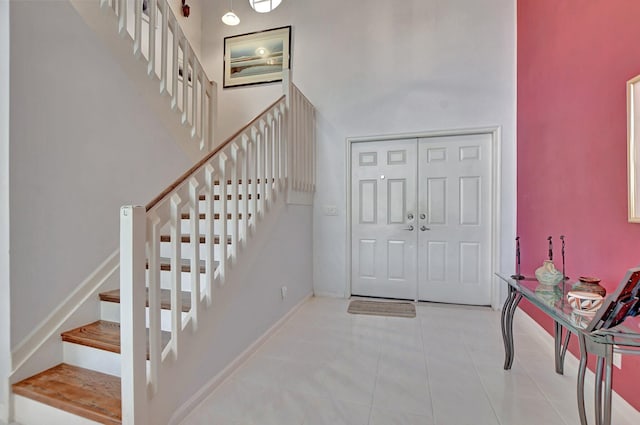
(182, 412)
(622, 405)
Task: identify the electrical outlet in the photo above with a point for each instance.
(330, 210)
(283, 292)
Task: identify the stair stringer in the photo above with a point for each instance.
(278, 254)
(103, 21)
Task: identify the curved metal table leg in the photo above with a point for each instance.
(606, 410)
(503, 324)
(598, 390)
(508, 312)
(581, 372)
(561, 346)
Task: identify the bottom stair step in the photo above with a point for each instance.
(83, 392)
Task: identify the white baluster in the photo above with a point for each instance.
(261, 168)
(155, 328)
(209, 190)
(254, 177)
(203, 111)
(164, 51)
(175, 29)
(186, 57)
(270, 142)
(122, 17)
(276, 150)
(137, 28)
(245, 189)
(234, 209)
(152, 9)
(222, 224)
(194, 226)
(195, 72)
(176, 274)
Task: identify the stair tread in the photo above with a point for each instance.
(83, 392)
(103, 335)
(217, 197)
(216, 216)
(185, 265)
(186, 238)
(165, 298)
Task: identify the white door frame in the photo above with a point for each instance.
(496, 162)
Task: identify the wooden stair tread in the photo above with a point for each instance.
(83, 392)
(165, 298)
(104, 335)
(187, 239)
(217, 182)
(185, 267)
(216, 216)
(217, 197)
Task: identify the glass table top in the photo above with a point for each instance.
(553, 301)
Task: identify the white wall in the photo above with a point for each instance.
(192, 26)
(244, 308)
(378, 68)
(83, 143)
(5, 335)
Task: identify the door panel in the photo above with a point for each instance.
(454, 249)
(383, 195)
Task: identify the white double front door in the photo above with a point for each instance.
(421, 217)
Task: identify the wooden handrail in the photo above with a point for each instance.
(204, 160)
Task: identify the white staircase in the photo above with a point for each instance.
(178, 255)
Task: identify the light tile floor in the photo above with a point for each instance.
(444, 367)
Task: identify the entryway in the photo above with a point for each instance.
(423, 217)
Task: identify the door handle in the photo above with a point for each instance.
(423, 228)
(409, 228)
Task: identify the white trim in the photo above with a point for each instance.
(531, 326)
(52, 324)
(5, 208)
(496, 166)
(182, 412)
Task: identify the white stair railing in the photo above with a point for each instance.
(160, 43)
(221, 199)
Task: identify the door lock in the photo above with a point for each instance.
(410, 216)
(423, 216)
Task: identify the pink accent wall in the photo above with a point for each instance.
(574, 58)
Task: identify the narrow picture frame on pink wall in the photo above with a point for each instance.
(633, 146)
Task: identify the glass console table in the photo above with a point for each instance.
(624, 339)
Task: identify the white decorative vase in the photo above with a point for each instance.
(547, 274)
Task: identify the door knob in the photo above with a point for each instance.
(423, 228)
(409, 228)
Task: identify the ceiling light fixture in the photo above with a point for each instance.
(264, 6)
(230, 18)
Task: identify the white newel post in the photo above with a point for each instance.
(132, 315)
(288, 130)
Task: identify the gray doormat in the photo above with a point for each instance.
(382, 308)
